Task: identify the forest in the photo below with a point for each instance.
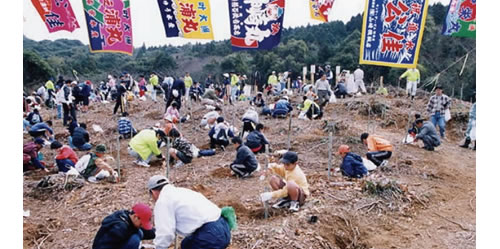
(333, 43)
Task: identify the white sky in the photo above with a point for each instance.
(147, 24)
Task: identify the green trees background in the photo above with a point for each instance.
(333, 43)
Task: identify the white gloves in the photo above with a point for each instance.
(266, 196)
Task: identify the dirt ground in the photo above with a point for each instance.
(420, 200)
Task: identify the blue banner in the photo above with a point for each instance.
(392, 32)
(256, 24)
(169, 16)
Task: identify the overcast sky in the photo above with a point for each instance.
(148, 27)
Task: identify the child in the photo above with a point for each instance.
(289, 184)
(352, 164)
(125, 228)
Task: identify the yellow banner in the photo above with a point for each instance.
(314, 10)
(194, 19)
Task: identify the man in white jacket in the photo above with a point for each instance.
(358, 79)
(188, 213)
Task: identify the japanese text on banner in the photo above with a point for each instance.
(256, 24)
(461, 19)
(109, 25)
(187, 18)
(320, 9)
(392, 32)
(57, 14)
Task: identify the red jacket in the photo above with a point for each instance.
(66, 152)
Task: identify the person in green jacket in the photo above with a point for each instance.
(143, 145)
(310, 110)
(235, 79)
(153, 80)
(49, 85)
(412, 76)
(188, 82)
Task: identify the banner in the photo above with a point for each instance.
(392, 32)
(320, 9)
(461, 19)
(109, 25)
(256, 24)
(57, 14)
(187, 18)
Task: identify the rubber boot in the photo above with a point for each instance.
(466, 143)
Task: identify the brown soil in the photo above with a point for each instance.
(428, 201)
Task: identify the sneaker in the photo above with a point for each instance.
(246, 175)
(92, 179)
(282, 203)
(429, 148)
(179, 164)
(384, 163)
(223, 148)
(294, 206)
(142, 163)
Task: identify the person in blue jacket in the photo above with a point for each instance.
(352, 164)
(124, 229)
(245, 163)
(282, 107)
(256, 141)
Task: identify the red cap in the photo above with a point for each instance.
(143, 211)
(88, 82)
(343, 149)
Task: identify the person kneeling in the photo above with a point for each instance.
(94, 166)
(352, 164)
(245, 163)
(124, 229)
(256, 141)
(290, 184)
(428, 134)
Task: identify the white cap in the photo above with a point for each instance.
(157, 181)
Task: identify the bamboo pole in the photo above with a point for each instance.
(266, 206)
(118, 156)
(289, 131)
(330, 142)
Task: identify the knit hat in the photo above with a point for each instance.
(55, 145)
(39, 141)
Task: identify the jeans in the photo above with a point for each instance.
(64, 164)
(214, 235)
(153, 94)
(430, 142)
(85, 146)
(134, 241)
(26, 123)
(69, 110)
(59, 111)
(234, 91)
(283, 86)
(438, 119)
(206, 153)
(138, 157)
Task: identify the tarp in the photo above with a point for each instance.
(320, 9)
(187, 18)
(57, 14)
(109, 25)
(392, 32)
(256, 24)
(461, 19)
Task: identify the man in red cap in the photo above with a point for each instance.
(124, 229)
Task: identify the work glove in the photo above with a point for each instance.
(160, 157)
(266, 196)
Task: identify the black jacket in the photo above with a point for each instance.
(246, 157)
(179, 86)
(116, 229)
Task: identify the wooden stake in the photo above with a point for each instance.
(266, 206)
(289, 131)
(118, 156)
(168, 157)
(330, 142)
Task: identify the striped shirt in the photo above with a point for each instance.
(438, 104)
(124, 125)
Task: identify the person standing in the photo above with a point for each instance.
(322, 90)
(257, 81)
(190, 214)
(272, 80)
(436, 108)
(153, 80)
(49, 85)
(358, 79)
(471, 125)
(67, 103)
(121, 90)
(188, 82)
(412, 76)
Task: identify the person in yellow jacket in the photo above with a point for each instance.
(235, 80)
(153, 80)
(379, 149)
(412, 76)
(310, 110)
(289, 183)
(143, 145)
(188, 82)
(49, 85)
